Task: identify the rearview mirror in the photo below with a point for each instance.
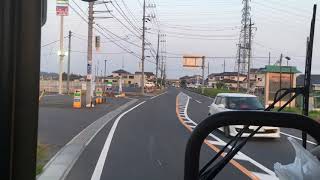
(221, 106)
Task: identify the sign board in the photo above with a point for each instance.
(77, 98)
(109, 83)
(62, 8)
(192, 61)
(99, 92)
(98, 43)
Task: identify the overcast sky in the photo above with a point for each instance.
(204, 27)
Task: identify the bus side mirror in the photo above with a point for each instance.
(44, 5)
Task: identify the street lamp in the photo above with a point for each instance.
(290, 74)
(280, 83)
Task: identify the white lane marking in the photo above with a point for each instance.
(158, 95)
(197, 101)
(310, 142)
(270, 174)
(103, 156)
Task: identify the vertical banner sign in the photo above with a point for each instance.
(89, 71)
(77, 98)
(62, 8)
(97, 43)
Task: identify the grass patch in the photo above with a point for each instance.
(42, 152)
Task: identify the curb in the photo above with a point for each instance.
(59, 165)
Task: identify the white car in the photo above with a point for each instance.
(238, 101)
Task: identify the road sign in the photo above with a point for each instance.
(99, 92)
(109, 84)
(77, 98)
(192, 61)
(62, 8)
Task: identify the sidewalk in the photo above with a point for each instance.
(59, 122)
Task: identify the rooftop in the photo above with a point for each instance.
(121, 71)
(146, 73)
(315, 79)
(284, 69)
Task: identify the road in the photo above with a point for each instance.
(148, 140)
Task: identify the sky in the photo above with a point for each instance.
(208, 28)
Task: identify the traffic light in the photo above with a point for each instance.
(97, 42)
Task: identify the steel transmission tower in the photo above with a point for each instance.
(244, 37)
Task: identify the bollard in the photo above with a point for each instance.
(99, 94)
(77, 99)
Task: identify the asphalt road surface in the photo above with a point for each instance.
(59, 122)
(148, 142)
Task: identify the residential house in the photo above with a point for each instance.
(126, 77)
(229, 79)
(193, 81)
(148, 77)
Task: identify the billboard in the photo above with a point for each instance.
(62, 8)
(192, 61)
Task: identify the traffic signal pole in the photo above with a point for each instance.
(143, 46)
(61, 55)
(89, 93)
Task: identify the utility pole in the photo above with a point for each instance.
(161, 71)
(157, 59)
(238, 78)
(164, 74)
(249, 55)
(105, 68)
(61, 54)
(280, 80)
(89, 56)
(69, 59)
(269, 59)
(143, 46)
(203, 66)
(105, 75)
(208, 69)
(224, 65)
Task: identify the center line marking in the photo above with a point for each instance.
(158, 95)
(103, 156)
(198, 101)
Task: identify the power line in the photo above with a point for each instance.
(53, 42)
(120, 46)
(130, 12)
(80, 8)
(123, 39)
(84, 52)
(134, 33)
(121, 12)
